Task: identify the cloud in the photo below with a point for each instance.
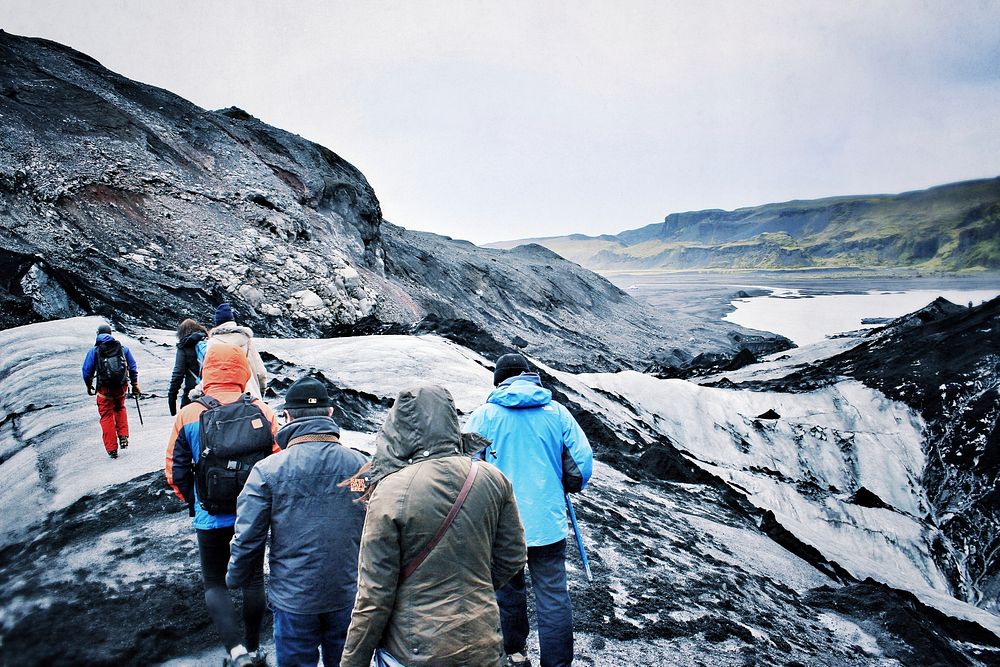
(499, 120)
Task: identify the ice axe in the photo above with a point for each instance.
(137, 409)
(579, 538)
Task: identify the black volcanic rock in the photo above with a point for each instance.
(556, 310)
(710, 363)
(147, 208)
(914, 633)
(867, 498)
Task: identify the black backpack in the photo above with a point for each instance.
(112, 367)
(233, 438)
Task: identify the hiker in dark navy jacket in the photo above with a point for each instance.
(540, 447)
(111, 390)
(187, 367)
(303, 496)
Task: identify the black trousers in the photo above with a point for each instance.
(213, 548)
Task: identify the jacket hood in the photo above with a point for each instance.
(231, 328)
(192, 339)
(521, 391)
(422, 424)
(226, 369)
(306, 426)
(103, 338)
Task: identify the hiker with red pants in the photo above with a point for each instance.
(111, 364)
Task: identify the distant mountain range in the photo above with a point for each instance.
(949, 227)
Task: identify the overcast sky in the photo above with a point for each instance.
(500, 120)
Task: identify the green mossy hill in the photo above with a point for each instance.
(949, 228)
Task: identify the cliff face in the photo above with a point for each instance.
(950, 227)
(944, 361)
(124, 200)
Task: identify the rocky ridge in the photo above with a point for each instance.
(125, 200)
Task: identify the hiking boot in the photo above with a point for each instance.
(123, 442)
(113, 454)
(244, 660)
(518, 659)
(259, 658)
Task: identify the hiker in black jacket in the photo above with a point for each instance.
(187, 367)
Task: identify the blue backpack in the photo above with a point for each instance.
(199, 349)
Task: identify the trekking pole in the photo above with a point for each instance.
(136, 397)
(579, 538)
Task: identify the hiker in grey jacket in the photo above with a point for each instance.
(305, 497)
(444, 614)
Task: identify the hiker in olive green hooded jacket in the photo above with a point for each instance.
(444, 613)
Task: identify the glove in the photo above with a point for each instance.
(135, 389)
(90, 389)
(172, 404)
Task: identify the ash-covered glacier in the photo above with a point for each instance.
(725, 526)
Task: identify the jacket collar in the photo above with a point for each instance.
(521, 391)
(306, 426)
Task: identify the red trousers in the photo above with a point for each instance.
(114, 419)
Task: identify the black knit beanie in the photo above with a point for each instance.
(508, 366)
(223, 313)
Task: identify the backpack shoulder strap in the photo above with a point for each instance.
(452, 513)
(208, 401)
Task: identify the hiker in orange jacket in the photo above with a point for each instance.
(225, 373)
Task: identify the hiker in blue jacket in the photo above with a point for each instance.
(540, 447)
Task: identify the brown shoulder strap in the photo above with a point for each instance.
(316, 437)
(463, 494)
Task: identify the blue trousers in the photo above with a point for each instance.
(547, 568)
(298, 637)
